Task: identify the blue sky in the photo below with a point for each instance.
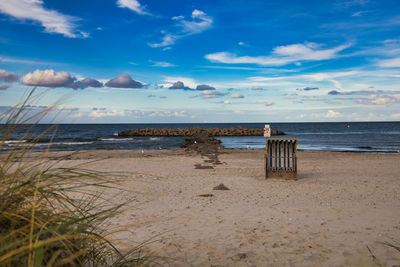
(128, 61)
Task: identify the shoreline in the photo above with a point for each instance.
(374, 152)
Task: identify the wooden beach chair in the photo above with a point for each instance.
(281, 158)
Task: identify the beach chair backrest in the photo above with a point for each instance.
(281, 158)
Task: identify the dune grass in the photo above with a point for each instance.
(50, 214)
(392, 245)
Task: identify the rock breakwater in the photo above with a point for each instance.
(185, 132)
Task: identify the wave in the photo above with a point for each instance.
(378, 148)
(58, 140)
(14, 141)
(43, 144)
(62, 144)
(116, 139)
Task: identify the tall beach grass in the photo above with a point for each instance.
(52, 214)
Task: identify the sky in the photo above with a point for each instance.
(176, 61)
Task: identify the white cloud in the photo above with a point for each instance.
(168, 39)
(281, 55)
(200, 22)
(390, 63)
(170, 80)
(236, 95)
(380, 99)
(333, 114)
(180, 86)
(227, 102)
(211, 94)
(51, 20)
(103, 112)
(162, 64)
(177, 17)
(357, 14)
(7, 76)
(291, 96)
(163, 114)
(49, 78)
(266, 102)
(370, 116)
(100, 113)
(395, 116)
(133, 5)
(257, 88)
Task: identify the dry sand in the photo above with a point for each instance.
(341, 203)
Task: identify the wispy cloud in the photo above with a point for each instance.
(389, 63)
(364, 92)
(103, 113)
(36, 62)
(133, 5)
(199, 22)
(162, 64)
(359, 13)
(347, 4)
(307, 89)
(281, 55)
(52, 20)
(356, 26)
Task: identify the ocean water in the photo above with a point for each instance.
(366, 137)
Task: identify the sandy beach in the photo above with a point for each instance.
(340, 204)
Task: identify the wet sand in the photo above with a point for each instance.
(340, 204)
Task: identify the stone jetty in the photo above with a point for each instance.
(187, 132)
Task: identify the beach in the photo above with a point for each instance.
(340, 204)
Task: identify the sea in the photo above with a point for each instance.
(362, 137)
